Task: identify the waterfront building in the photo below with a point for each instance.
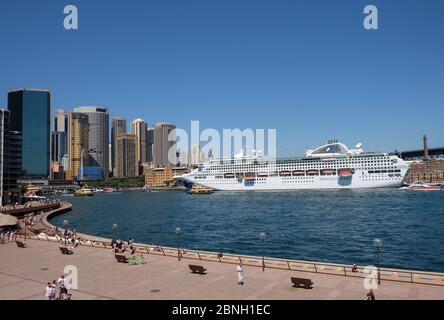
(118, 127)
(90, 173)
(58, 145)
(31, 115)
(10, 159)
(139, 128)
(163, 146)
(163, 177)
(58, 172)
(150, 145)
(78, 144)
(98, 138)
(126, 156)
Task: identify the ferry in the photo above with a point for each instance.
(84, 191)
(199, 189)
(331, 166)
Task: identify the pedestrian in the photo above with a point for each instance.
(54, 289)
(240, 274)
(370, 295)
(48, 291)
(130, 245)
(62, 286)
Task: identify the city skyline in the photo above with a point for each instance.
(320, 75)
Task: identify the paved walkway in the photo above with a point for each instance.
(25, 272)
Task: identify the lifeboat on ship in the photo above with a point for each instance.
(312, 172)
(328, 172)
(250, 176)
(229, 175)
(262, 175)
(285, 173)
(346, 172)
(299, 173)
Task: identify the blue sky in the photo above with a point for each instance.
(307, 68)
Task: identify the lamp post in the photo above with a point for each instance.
(378, 244)
(178, 232)
(115, 227)
(263, 236)
(65, 224)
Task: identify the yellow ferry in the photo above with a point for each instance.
(84, 191)
(199, 189)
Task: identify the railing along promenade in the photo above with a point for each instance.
(22, 210)
(399, 275)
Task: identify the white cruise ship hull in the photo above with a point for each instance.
(296, 183)
(321, 169)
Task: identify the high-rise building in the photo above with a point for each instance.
(164, 148)
(10, 159)
(61, 119)
(139, 128)
(150, 145)
(59, 146)
(98, 142)
(118, 127)
(126, 154)
(78, 144)
(31, 115)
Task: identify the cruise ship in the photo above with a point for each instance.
(332, 166)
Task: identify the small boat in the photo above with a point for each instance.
(199, 189)
(84, 191)
(250, 176)
(229, 175)
(328, 171)
(262, 175)
(346, 173)
(420, 186)
(299, 173)
(312, 172)
(108, 190)
(285, 173)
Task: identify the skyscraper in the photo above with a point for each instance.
(78, 145)
(139, 128)
(59, 137)
(31, 115)
(98, 140)
(150, 145)
(126, 154)
(164, 149)
(10, 159)
(118, 127)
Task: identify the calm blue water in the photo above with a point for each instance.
(332, 226)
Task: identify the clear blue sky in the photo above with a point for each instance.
(307, 68)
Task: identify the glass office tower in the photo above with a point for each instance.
(31, 115)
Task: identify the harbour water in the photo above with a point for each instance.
(324, 225)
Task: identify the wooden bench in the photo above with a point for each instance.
(197, 269)
(20, 244)
(65, 250)
(121, 258)
(298, 282)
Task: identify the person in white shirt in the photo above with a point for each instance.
(240, 274)
(48, 291)
(61, 285)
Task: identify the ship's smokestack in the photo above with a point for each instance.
(426, 148)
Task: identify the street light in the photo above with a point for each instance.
(262, 236)
(115, 227)
(178, 232)
(378, 244)
(65, 224)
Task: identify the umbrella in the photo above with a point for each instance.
(7, 220)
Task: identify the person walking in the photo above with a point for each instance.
(370, 295)
(240, 274)
(48, 291)
(62, 286)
